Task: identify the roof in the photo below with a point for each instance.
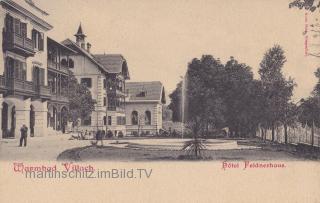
(73, 45)
(154, 91)
(80, 32)
(65, 48)
(27, 8)
(113, 63)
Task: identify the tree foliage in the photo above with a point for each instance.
(227, 95)
(310, 5)
(80, 100)
(277, 90)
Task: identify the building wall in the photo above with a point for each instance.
(141, 108)
(85, 68)
(2, 16)
(22, 105)
(114, 127)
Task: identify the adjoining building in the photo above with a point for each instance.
(33, 72)
(104, 75)
(144, 103)
(90, 72)
(117, 74)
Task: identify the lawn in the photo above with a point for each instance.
(170, 150)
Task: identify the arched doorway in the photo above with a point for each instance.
(32, 120)
(64, 119)
(13, 121)
(4, 116)
(52, 117)
(8, 116)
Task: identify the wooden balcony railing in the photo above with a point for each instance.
(59, 98)
(58, 67)
(18, 44)
(43, 91)
(20, 86)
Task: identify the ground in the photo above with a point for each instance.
(61, 147)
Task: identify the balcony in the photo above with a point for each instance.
(43, 91)
(18, 44)
(3, 87)
(20, 87)
(117, 109)
(57, 67)
(59, 98)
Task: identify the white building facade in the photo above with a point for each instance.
(24, 91)
(144, 105)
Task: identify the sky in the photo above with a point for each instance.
(159, 38)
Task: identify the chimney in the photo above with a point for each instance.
(88, 47)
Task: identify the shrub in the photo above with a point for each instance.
(194, 147)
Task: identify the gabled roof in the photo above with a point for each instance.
(113, 63)
(153, 91)
(63, 47)
(69, 43)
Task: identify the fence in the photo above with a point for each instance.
(296, 135)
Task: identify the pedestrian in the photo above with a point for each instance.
(24, 133)
(99, 137)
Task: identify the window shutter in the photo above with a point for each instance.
(17, 26)
(41, 76)
(24, 30)
(24, 71)
(16, 69)
(41, 41)
(9, 23)
(34, 38)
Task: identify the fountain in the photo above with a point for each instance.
(183, 101)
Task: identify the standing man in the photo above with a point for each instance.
(24, 133)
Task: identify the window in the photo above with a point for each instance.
(71, 63)
(147, 118)
(104, 120)
(134, 118)
(64, 62)
(15, 69)
(121, 120)
(142, 94)
(16, 26)
(109, 120)
(86, 121)
(104, 101)
(38, 75)
(87, 82)
(38, 40)
(104, 83)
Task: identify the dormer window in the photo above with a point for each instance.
(142, 94)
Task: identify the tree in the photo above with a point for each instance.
(277, 90)
(80, 100)
(238, 94)
(176, 103)
(203, 106)
(310, 5)
(316, 89)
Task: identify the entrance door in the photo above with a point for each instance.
(4, 122)
(13, 122)
(32, 120)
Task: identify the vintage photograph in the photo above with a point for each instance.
(159, 80)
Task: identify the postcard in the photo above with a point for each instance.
(160, 101)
